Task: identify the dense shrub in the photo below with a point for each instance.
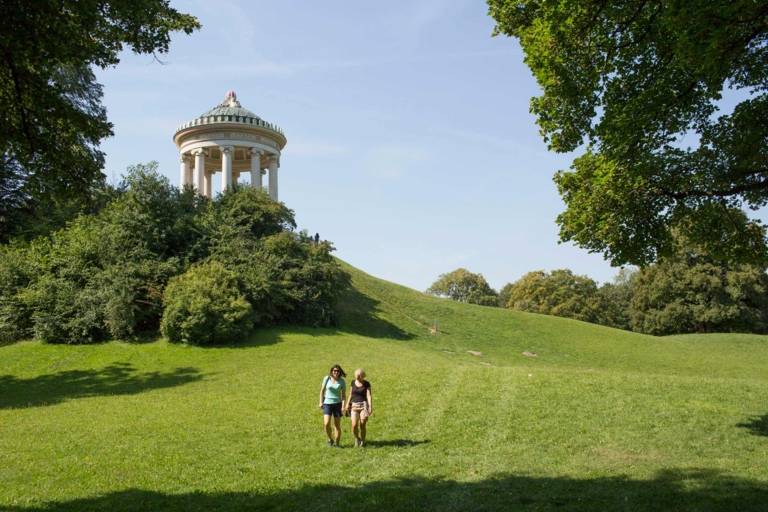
(64, 312)
(245, 213)
(104, 275)
(204, 306)
(16, 273)
(154, 216)
(311, 278)
(92, 280)
(286, 277)
(131, 295)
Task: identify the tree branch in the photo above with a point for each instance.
(737, 189)
(19, 100)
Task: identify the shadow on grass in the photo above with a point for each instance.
(357, 314)
(396, 443)
(259, 337)
(757, 425)
(360, 314)
(116, 379)
(699, 490)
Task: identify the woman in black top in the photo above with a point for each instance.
(360, 404)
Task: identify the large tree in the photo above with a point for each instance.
(690, 293)
(615, 298)
(637, 86)
(464, 286)
(559, 293)
(53, 119)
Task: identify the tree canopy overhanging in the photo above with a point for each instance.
(53, 119)
(638, 85)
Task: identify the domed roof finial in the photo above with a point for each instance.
(230, 100)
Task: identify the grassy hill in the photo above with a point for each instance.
(382, 309)
(599, 419)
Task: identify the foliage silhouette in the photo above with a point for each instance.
(396, 443)
(115, 379)
(757, 425)
(680, 490)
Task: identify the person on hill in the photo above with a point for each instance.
(332, 398)
(361, 406)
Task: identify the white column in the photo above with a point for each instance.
(186, 179)
(226, 168)
(274, 164)
(208, 185)
(190, 176)
(199, 180)
(256, 168)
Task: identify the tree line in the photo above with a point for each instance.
(689, 293)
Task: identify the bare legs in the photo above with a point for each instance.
(363, 422)
(337, 426)
(358, 427)
(334, 433)
(327, 426)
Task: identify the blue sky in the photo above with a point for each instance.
(410, 145)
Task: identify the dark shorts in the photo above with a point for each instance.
(332, 410)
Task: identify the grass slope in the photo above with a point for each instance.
(382, 309)
(600, 420)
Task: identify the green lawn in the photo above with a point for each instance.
(600, 419)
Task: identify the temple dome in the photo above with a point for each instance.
(231, 112)
(230, 107)
(230, 140)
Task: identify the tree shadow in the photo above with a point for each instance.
(357, 314)
(144, 337)
(396, 443)
(679, 490)
(757, 425)
(259, 337)
(115, 379)
(360, 314)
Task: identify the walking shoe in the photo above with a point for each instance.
(330, 443)
(357, 443)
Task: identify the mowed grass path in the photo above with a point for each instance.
(599, 420)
